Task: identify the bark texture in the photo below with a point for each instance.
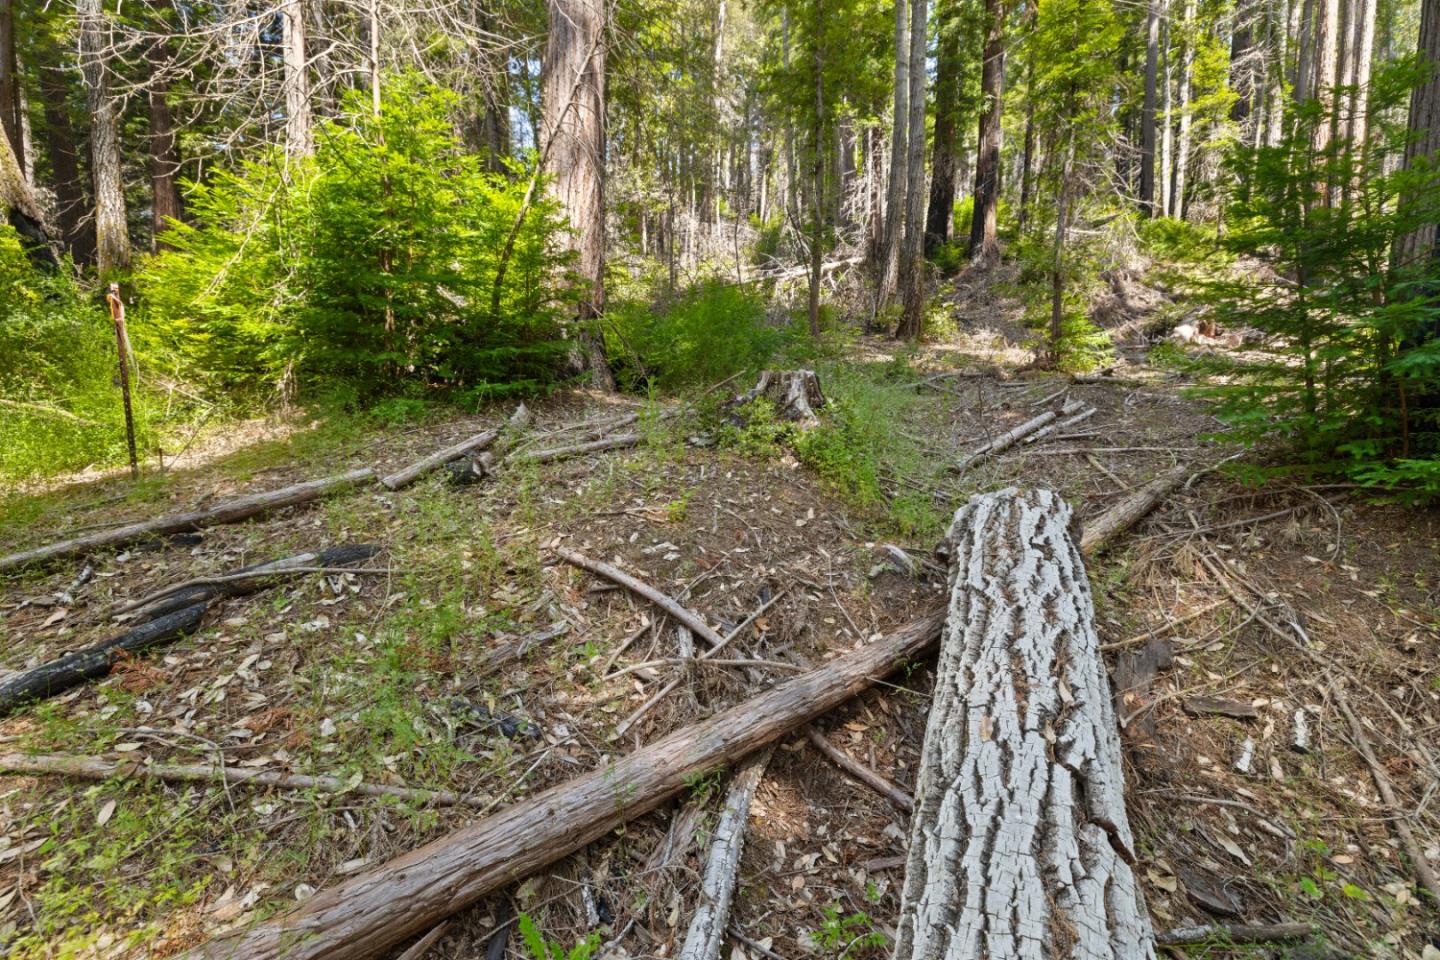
(480, 441)
(164, 144)
(1424, 127)
(944, 158)
(230, 511)
(299, 123)
(1019, 845)
(1125, 514)
(574, 132)
(912, 252)
(12, 106)
(73, 669)
(112, 233)
(983, 244)
(72, 224)
(1147, 116)
(366, 915)
(706, 933)
(889, 267)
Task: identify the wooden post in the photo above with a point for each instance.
(122, 346)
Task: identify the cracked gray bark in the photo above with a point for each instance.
(1019, 845)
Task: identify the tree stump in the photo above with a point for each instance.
(1019, 845)
(795, 393)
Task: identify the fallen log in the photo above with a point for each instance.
(859, 771)
(684, 615)
(617, 442)
(1044, 432)
(1019, 844)
(366, 915)
(242, 581)
(1007, 440)
(706, 933)
(98, 768)
(75, 668)
(480, 441)
(1220, 933)
(1106, 529)
(230, 511)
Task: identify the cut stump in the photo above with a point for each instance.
(795, 393)
(1019, 845)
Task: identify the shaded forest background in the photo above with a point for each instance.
(381, 206)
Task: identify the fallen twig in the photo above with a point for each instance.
(610, 572)
(98, 768)
(1236, 933)
(579, 449)
(859, 771)
(407, 476)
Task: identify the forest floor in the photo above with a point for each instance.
(374, 678)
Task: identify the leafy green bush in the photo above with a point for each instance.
(376, 263)
(1082, 344)
(60, 408)
(712, 331)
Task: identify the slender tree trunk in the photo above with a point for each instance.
(1364, 47)
(1182, 155)
(949, 65)
(1242, 69)
(1167, 129)
(889, 266)
(790, 196)
(1057, 254)
(299, 136)
(1303, 32)
(574, 126)
(1027, 164)
(12, 100)
(74, 226)
(817, 201)
(112, 234)
(912, 254)
(1147, 115)
(166, 204)
(984, 246)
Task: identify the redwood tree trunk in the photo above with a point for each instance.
(12, 103)
(912, 254)
(983, 245)
(889, 266)
(574, 127)
(945, 161)
(1019, 843)
(1424, 126)
(112, 233)
(75, 228)
(164, 145)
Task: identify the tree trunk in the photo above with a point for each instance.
(1019, 845)
(1147, 116)
(1182, 153)
(22, 211)
(1027, 164)
(112, 233)
(299, 135)
(574, 131)
(944, 162)
(888, 270)
(164, 145)
(1364, 48)
(983, 244)
(366, 915)
(1057, 255)
(1167, 122)
(817, 192)
(912, 253)
(1242, 71)
(1423, 243)
(72, 224)
(12, 99)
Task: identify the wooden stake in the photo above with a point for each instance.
(122, 347)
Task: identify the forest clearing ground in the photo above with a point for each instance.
(373, 677)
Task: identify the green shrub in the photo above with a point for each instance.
(712, 331)
(60, 407)
(373, 264)
(1349, 375)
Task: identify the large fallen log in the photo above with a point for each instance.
(1019, 844)
(230, 511)
(245, 580)
(480, 441)
(75, 668)
(368, 914)
(98, 768)
(1106, 529)
(706, 933)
